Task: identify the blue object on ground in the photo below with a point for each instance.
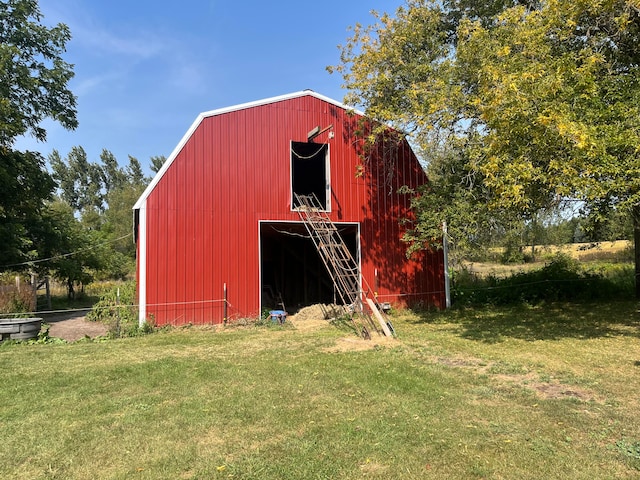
(279, 316)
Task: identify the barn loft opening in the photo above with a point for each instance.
(292, 274)
(310, 172)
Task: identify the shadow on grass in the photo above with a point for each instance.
(545, 322)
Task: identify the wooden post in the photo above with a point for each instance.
(34, 292)
(379, 317)
(225, 304)
(48, 290)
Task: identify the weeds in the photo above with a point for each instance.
(561, 279)
(43, 338)
(630, 450)
(116, 308)
(16, 302)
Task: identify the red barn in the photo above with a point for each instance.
(220, 220)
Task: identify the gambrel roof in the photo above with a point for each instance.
(224, 110)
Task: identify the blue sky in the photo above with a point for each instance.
(145, 69)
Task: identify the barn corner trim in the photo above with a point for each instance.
(142, 264)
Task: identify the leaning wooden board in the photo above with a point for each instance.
(378, 315)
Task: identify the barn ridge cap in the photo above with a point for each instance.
(219, 111)
(278, 98)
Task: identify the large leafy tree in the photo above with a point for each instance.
(543, 94)
(73, 253)
(81, 182)
(85, 185)
(403, 70)
(33, 86)
(559, 94)
(100, 194)
(24, 184)
(118, 217)
(33, 75)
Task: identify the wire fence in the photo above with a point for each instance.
(458, 290)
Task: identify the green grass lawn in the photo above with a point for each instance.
(496, 393)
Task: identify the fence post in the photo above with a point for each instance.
(118, 312)
(48, 290)
(34, 292)
(225, 305)
(445, 249)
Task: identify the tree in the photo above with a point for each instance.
(73, 253)
(81, 182)
(114, 176)
(33, 86)
(33, 75)
(85, 185)
(134, 173)
(25, 186)
(157, 162)
(546, 93)
(558, 90)
(403, 71)
(101, 194)
(456, 195)
(119, 218)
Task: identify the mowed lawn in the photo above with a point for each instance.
(548, 392)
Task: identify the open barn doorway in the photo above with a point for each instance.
(292, 274)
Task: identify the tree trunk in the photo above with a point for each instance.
(534, 234)
(636, 246)
(71, 293)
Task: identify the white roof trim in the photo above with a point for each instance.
(220, 111)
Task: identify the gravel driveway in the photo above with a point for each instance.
(73, 326)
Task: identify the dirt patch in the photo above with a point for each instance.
(354, 344)
(558, 390)
(551, 390)
(73, 326)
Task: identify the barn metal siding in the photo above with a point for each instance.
(202, 216)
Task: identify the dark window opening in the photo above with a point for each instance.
(309, 172)
(292, 273)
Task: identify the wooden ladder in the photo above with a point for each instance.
(342, 267)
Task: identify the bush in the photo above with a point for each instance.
(561, 279)
(120, 313)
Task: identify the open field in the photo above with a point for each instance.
(513, 393)
(620, 251)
